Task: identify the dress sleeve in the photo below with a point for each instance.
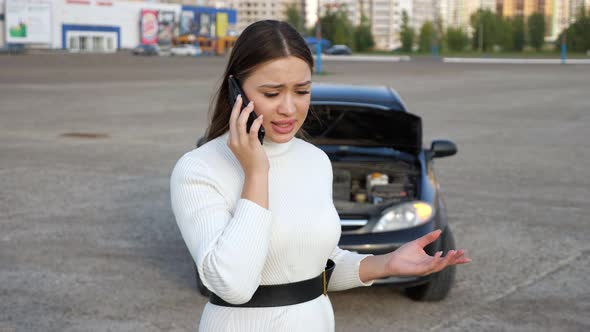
(346, 272)
(229, 246)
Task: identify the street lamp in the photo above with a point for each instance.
(435, 32)
(480, 26)
(318, 37)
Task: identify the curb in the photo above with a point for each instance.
(517, 61)
(372, 58)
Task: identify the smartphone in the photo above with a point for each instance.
(234, 90)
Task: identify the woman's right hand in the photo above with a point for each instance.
(246, 146)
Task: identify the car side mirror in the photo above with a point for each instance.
(442, 148)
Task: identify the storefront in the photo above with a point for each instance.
(87, 38)
(214, 28)
(102, 25)
(108, 25)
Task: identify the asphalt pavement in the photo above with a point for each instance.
(88, 241)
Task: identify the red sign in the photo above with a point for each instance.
(78, 2)
(149, 26)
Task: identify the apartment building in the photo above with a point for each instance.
(559, 14)
(354, 8)
(250, 11)
(386, 16)
(565, 13)
(459, 12)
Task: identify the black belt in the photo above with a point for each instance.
(285, 294)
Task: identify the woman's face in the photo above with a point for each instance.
(280, 90)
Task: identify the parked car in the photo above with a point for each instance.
(339, 50)
(146, 50)
(185, 49)
(13, 49)
(384, 185)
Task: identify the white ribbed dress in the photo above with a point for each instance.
(239, 245)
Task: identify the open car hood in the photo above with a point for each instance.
(364, 126)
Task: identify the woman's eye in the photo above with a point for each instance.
(271, 95)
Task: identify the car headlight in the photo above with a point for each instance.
(405, 215)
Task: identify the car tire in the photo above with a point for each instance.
(202, 289)
(440, 284)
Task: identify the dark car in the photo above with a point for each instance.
(384, 186)
(339, 50)
(13, 49)
(146, 50)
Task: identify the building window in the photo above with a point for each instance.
(83, 43)
(110, 44)
(97, 44)
(73, 43)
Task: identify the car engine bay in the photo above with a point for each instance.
(360, 188)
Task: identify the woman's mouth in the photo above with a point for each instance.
(283, 127)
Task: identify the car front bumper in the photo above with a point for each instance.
(383, 242)
(386, 242)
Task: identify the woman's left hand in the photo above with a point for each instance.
(411, 259)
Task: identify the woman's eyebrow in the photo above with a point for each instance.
(276, 86)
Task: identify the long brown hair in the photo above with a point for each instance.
(260, 42)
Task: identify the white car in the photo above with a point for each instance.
(187, 49)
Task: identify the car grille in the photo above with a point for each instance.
(353, 224)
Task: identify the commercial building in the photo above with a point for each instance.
(107, 25)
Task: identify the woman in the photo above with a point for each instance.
(258, 219)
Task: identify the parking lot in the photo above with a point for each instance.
(88, 241)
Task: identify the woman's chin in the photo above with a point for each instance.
(280, 138)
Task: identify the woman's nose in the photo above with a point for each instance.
(287, 105)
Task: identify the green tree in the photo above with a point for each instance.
(363, 36)
(505, 33)
(484, 24)
(294, 17)
(577, 34)
(536, 27)
(337, 28)
(327, 23)
(406, 33)
(311, 30)
(438, 33)
(426, 36)
(518, 34)
(456, 39)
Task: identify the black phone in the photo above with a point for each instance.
(234, 90)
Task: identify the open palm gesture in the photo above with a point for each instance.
(411, 259)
